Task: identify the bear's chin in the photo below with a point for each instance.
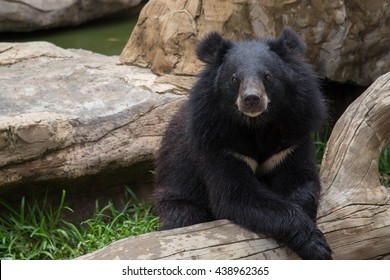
(251, 114)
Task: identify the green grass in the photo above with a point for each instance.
(320, 141)
(384, 167)
(35, 230)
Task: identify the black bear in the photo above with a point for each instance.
(240, 147)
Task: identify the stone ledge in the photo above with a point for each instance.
(66, 114)
(31, 15)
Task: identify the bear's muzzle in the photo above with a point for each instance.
(252, 98)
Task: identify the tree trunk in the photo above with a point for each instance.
(354, 211)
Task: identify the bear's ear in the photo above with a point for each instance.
(212, 48)
(288, 43)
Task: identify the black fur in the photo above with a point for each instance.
(199, 177)
(212, 48)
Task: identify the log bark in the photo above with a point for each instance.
(355, 208)
(354, 213)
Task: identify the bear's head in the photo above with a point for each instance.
(264, 80)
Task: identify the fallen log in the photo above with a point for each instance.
(354, 212)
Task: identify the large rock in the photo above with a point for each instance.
(68, 114)
(27, 15)
(347, 40)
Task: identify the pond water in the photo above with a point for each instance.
(106, 36)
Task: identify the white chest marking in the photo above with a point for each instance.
(250, 161)
(269, 164)
(274, 161)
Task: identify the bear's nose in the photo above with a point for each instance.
(251, 100)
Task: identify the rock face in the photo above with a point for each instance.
(67, 114)
(28, 15)
(347, 40)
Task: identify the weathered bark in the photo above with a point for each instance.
(355, 208)
(215, 240)
(354, 212)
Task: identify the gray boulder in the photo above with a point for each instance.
(67, 114)
(28, 15)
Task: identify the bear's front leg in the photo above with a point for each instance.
(296, 179)
(236, 194)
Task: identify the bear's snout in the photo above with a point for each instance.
(252, 99)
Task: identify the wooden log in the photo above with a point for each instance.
(214, 240)
(354, 212)
(355, 208)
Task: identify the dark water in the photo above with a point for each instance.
(107, 36)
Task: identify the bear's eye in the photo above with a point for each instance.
(234, 79)
(268, 77)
